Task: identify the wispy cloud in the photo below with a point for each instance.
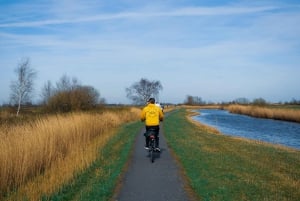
(188, 11)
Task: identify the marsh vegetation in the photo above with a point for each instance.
(278, 113)
(40, 155)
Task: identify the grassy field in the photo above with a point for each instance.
(224, 168)
(40, 156)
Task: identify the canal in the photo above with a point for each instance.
(268, 130)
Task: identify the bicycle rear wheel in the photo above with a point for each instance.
(152, 155)
(152, 150)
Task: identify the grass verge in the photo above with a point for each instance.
(224, 168)
(99, 180)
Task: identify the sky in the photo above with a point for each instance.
(219, 50)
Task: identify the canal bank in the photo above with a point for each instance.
(221, 167)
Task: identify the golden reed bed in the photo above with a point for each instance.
(38, 157)
(264, 112)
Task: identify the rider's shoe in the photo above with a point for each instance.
(146, 147)
(157, 149)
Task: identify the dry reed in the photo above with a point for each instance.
(59, 142)
(269, 113)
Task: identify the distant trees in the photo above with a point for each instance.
(259, 102)
(243, 101)
(47, 92)
(69, 95)
(294, 102)
(23, 86)
(194, 100)
(139, 92)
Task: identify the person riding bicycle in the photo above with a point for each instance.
(152, 115)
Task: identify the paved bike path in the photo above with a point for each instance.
(146, 181)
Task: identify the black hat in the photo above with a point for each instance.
(151, 100)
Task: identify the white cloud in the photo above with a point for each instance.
(189, 11)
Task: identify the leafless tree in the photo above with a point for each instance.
(23, 86)
(64, 84)
(243, 101)
(259, 102)
(194, 100)
(139, 92)
(47, 92)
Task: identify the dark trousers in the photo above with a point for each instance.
(156, 129)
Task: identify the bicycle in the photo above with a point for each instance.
(152, 147)
(152, 144)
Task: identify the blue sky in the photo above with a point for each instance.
(218, 50)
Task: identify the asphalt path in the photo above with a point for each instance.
(146, 181)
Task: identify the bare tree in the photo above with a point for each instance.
(66, 83)
(47, 92)
(141, 91)
(259, 102)
(22, 87)
(189, 100)
(194, 100)
(243, 101)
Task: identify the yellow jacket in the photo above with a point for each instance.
(152, 115)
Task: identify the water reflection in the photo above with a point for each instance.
(274, 131)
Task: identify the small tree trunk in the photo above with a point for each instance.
(19, 106)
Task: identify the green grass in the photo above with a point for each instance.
(224, 168)
(98, 182)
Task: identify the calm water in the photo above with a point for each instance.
(274, 131)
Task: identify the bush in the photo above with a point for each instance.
(259, 102)
(78, 98)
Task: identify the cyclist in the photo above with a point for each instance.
(152, 115)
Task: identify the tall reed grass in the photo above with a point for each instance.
(59, 142)
(264, 112)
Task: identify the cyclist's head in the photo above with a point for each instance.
(151, 100)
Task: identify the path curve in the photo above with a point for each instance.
(146, 181)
